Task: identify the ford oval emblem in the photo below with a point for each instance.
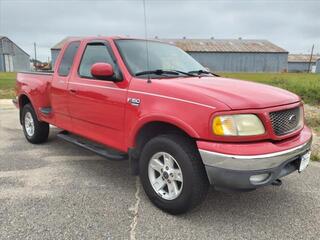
(292, 118)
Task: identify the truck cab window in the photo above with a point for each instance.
(67, 58)
(94, 53)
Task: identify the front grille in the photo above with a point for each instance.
(285, 121)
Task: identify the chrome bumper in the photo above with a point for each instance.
(251, 162)
(233, 172)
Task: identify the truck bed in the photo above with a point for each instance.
(36, 86)
(38, 72)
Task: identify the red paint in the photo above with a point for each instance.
(101, 70)
(99, 110)
(256, 148)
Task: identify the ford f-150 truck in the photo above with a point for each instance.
(181, 127)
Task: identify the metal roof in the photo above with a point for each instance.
(226, 45)
(60, 44)
(14, 44)
(302, 58)
(214, 45)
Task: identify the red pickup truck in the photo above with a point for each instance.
(181, 127)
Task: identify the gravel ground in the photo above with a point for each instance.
(59, 191)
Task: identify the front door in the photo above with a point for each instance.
(97, 107)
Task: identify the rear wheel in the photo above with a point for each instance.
(34, 130)
(172, 173)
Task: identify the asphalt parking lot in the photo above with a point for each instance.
(59, 191)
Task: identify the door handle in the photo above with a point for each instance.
(73, 91)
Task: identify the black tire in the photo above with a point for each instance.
(195, 181)
(41, 129)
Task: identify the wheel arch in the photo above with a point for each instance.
(158, 120)
(23, 100)
(150, 128)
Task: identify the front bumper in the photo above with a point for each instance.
(233, 172)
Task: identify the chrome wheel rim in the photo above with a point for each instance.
(29, 124)
(165, 175)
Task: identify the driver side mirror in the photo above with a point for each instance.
(103, 71)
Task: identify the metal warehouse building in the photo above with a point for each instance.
(318, 66)
(235, 55)
(226, 55)
(12, 57)
(300, 62)
(56, 49)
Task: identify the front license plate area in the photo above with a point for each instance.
(305, 159)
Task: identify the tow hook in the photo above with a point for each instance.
(277, 182)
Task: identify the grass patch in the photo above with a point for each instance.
(306, 85)
(315, 157)
(7, 84)
(314, 123)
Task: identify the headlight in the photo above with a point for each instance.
(237, 125)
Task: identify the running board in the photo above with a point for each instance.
(46, 110)
(99, 149)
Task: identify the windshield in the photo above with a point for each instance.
(161, 56)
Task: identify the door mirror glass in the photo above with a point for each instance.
(102, 71)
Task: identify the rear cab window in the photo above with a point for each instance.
(67, 59)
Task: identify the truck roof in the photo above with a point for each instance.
(60, 44)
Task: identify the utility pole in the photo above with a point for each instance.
(311, 55)
(35, 56)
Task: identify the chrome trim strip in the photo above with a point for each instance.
(256, 156)
(252, 162)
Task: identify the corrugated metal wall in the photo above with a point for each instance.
(299, 66)
(318, 66)
(21, 60)
(1, 57)
(1, 63)
(243, 62)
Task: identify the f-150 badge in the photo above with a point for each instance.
(134, 101)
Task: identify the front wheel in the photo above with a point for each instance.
(172, 173)
(34, 130)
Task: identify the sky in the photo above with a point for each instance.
(293, 25)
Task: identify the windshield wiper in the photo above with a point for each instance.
(156, 72)
(201, 71)
(185, 73)
(163, 72)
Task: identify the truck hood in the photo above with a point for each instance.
(236, 94)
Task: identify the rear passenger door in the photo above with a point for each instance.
(97, 106)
